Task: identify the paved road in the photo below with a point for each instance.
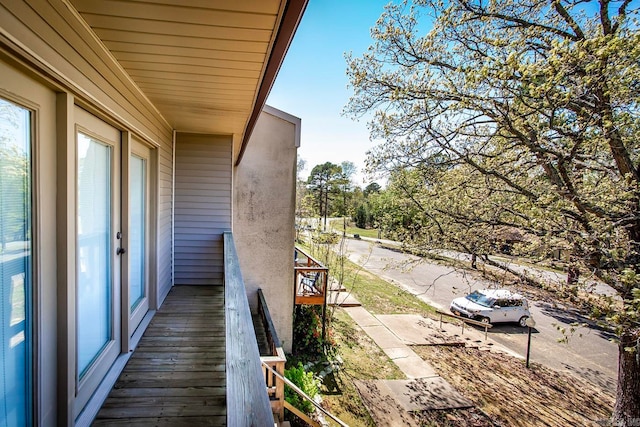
(588, 353)
(543, 275)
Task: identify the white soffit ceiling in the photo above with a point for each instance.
(200, 62)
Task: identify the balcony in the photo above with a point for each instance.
(198, 362)
(311, 278)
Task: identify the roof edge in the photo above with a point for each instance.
(291, 19)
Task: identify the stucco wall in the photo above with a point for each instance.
(263, 217)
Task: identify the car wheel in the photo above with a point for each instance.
(523, 321)
(485, 320)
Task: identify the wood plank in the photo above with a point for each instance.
(179, 341)
(215, 420)
(171, 381)
(192, 331)
(167, 401)
(198, 322)
(158, 365)
(197, 315)
(179, 355)
(182, 349)
(163, 391)
(167, 406)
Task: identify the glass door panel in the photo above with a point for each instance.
(95, 300)
(137, 234)
(98, 253)
(15, 264)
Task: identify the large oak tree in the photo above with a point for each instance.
(538, 102)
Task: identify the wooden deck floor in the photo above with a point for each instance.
(176, 376)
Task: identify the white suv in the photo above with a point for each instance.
(492, 306)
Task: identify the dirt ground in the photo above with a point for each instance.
(504, 391)
(512, 395)
(385, 411)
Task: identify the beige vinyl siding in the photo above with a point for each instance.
(202, 207)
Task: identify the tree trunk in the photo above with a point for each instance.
(627, 408)
(326, 208)
(573, 274)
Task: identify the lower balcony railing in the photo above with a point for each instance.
(275, 360)
(310, 279)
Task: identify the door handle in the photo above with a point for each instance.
(120, 251)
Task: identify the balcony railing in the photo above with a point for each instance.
(247, 400)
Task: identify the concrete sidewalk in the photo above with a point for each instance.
(423, 390)
(402, 355)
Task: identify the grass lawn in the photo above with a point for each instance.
(337, 225)
(375, 294)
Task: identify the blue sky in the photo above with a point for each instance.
(312, 83)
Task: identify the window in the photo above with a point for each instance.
(15, 264)
(94, 298)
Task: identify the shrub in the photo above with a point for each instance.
(307, 334)
(325, 238)
(305, 382)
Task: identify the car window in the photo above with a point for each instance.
(481, 299)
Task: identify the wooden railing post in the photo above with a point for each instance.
(276, 360)
(280, 387)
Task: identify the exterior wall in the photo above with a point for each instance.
(264, 214)
(203, 207)
(51, 62)
(49, 37)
